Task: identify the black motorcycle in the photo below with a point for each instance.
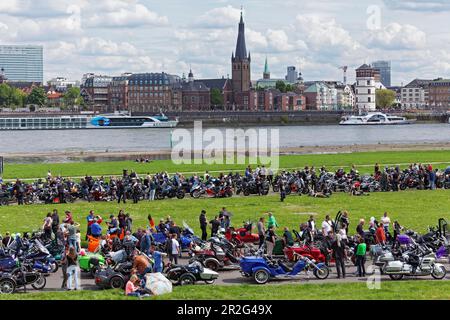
(20, 278)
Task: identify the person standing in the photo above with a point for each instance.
(270, 241)
(261, 231)
(203, 224)
(338, 248)
(47, 226)
(361, 249)
(272, 221)
(386, 221)
(215, 225)
(72, 269)
(152, 186)
(174, 250)
(282, 189)
(327, 225)
(90, 221)
(64, 265)
(55, 222)
(72, 235)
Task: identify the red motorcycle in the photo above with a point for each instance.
(213, 192)
(303, 250)
(243, 234)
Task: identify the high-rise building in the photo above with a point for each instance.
(22, 63)
(385, 71)
(292, 74)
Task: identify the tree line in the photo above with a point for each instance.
(11, 97)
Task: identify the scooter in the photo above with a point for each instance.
(262, 269)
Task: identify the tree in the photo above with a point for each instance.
(216, 97)
(281, 85)
(73, 97)
(385, 98)
(11, 97)
(37, 96)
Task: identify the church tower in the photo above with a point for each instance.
(266, 74)
(241, 63)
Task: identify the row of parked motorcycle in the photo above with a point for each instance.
(28, 260)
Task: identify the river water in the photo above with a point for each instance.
(146, 140)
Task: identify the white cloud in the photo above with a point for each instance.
(134, 15)
(219, 18)
(99, 46)
(418, 5)
(323, 34)
(397, 36)
(278, 40)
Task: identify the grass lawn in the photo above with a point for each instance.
(414, 209)
(365, 160)
(403, 290)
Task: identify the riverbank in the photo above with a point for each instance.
(80, 156)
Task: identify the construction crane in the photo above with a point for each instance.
(345, 73)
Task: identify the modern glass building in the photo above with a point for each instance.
(385, 71)
(22, 63)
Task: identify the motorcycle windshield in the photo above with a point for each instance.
(187, 227)
(41, 247)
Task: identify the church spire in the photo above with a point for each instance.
(241, 49)
(266, 74)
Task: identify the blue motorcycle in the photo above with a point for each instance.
(262, 269)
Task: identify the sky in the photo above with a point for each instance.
(116, 36)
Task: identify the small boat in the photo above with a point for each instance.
(374, 118)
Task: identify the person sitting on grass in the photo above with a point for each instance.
(133, 289)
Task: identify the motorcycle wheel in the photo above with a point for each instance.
(54, 268)
(212, 265)
(186, 279)
(402, 187)
(322, 273)
(276, 189)
(7, 286)
(261, 276)
(196, 194)
(229, 194)
(180, 195)
(396, 276)
(40, 283)
(439, 273)
(210, 281)
(159, 196)
(116, 282)
(246, 192)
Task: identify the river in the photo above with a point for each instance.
(146, 140)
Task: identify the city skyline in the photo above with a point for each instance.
(150, 36)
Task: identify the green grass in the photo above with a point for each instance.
(413, 209)
(404, 290)
(366, 159)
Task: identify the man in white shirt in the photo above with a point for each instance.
(386, 221)
(327, 225)
(175, 249)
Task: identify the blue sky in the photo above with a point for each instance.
(116, 36)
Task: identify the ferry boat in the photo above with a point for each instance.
(375, 118)
(115, 121)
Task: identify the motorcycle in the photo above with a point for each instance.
(169, 192)
(263, 269)
(20, 277)
(415, 265)
(190, 274)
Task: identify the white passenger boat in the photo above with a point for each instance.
(375, 118)
(114, 121)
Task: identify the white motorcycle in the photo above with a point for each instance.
(413, 265)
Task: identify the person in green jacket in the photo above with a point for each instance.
(361, 249)
(271, 222)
